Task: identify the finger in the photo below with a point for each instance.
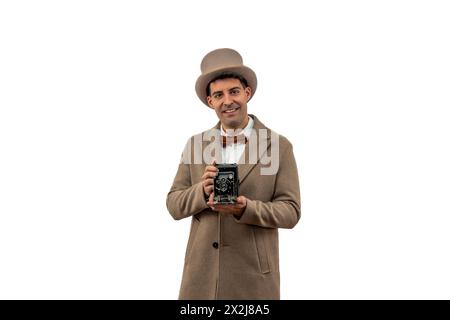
(241, 200)
(227, 209)
(208, 174)
(208, 190)
(210, 204)
(208, 182)
(211, 199)
(211, 169)
(209, 187)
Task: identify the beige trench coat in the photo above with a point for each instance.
(227, 258)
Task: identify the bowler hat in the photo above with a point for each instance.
(220, 61)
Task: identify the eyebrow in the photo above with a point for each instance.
(228, 90)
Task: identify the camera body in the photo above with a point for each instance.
(226, 184)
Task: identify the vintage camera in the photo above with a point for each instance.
(226, 184)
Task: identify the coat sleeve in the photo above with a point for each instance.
(284, 209)
(185, 199)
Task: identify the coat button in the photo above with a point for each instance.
(215, 245)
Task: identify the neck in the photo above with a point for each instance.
(241, 126)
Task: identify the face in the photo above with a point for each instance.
(229, 99)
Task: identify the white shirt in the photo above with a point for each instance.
(233, 152)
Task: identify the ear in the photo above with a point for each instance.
(248, 92)
(209, 100)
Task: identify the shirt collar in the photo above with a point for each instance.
(247, 131)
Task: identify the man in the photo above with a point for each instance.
(232, 251)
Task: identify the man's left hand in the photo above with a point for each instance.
(236, 209)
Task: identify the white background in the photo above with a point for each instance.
(97, 100)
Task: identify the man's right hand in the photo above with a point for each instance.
(208, 179)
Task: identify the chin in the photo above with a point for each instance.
(232, 124)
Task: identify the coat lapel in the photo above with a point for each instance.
(207, 144)
(254, 149)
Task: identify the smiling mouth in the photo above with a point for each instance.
(230, 110)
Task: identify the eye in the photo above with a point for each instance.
(234, 92)
(217, 95)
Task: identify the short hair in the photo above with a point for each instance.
(226, 75)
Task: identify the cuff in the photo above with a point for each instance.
(200, 199)
(248, 213)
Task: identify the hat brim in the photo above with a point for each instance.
(205, 79)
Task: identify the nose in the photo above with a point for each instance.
(227, 99)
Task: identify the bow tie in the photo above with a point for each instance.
(226, 140)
